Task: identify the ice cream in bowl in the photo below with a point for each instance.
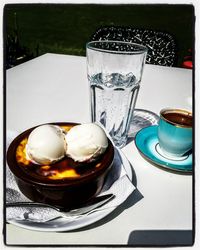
(62, 164)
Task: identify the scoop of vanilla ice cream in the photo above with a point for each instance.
(46, 144)
(86, 142)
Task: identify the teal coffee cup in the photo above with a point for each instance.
(175, 132)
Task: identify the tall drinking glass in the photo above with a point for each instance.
(114, 71)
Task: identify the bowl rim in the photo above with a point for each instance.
(58, 183)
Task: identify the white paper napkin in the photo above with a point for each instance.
(117, 183)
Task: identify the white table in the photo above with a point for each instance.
(54, 88)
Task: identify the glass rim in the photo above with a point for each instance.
(142, 48)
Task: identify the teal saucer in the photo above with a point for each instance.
(146, 141)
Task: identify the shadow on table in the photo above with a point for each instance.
(161, 238)
(142, 118)
(135, 197)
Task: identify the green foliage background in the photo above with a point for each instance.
(65, 28)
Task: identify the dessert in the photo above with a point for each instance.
(46, 144)
(64, 182)
(86, 142)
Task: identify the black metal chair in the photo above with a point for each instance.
(161, 45)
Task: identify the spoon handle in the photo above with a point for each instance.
(93, 203)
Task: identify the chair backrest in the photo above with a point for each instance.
(161, 45)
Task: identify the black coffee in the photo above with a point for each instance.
(179, 118)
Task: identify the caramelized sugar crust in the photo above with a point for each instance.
(65, 168)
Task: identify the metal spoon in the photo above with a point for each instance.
(87, 207)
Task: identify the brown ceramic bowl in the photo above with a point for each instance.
(36, 183)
